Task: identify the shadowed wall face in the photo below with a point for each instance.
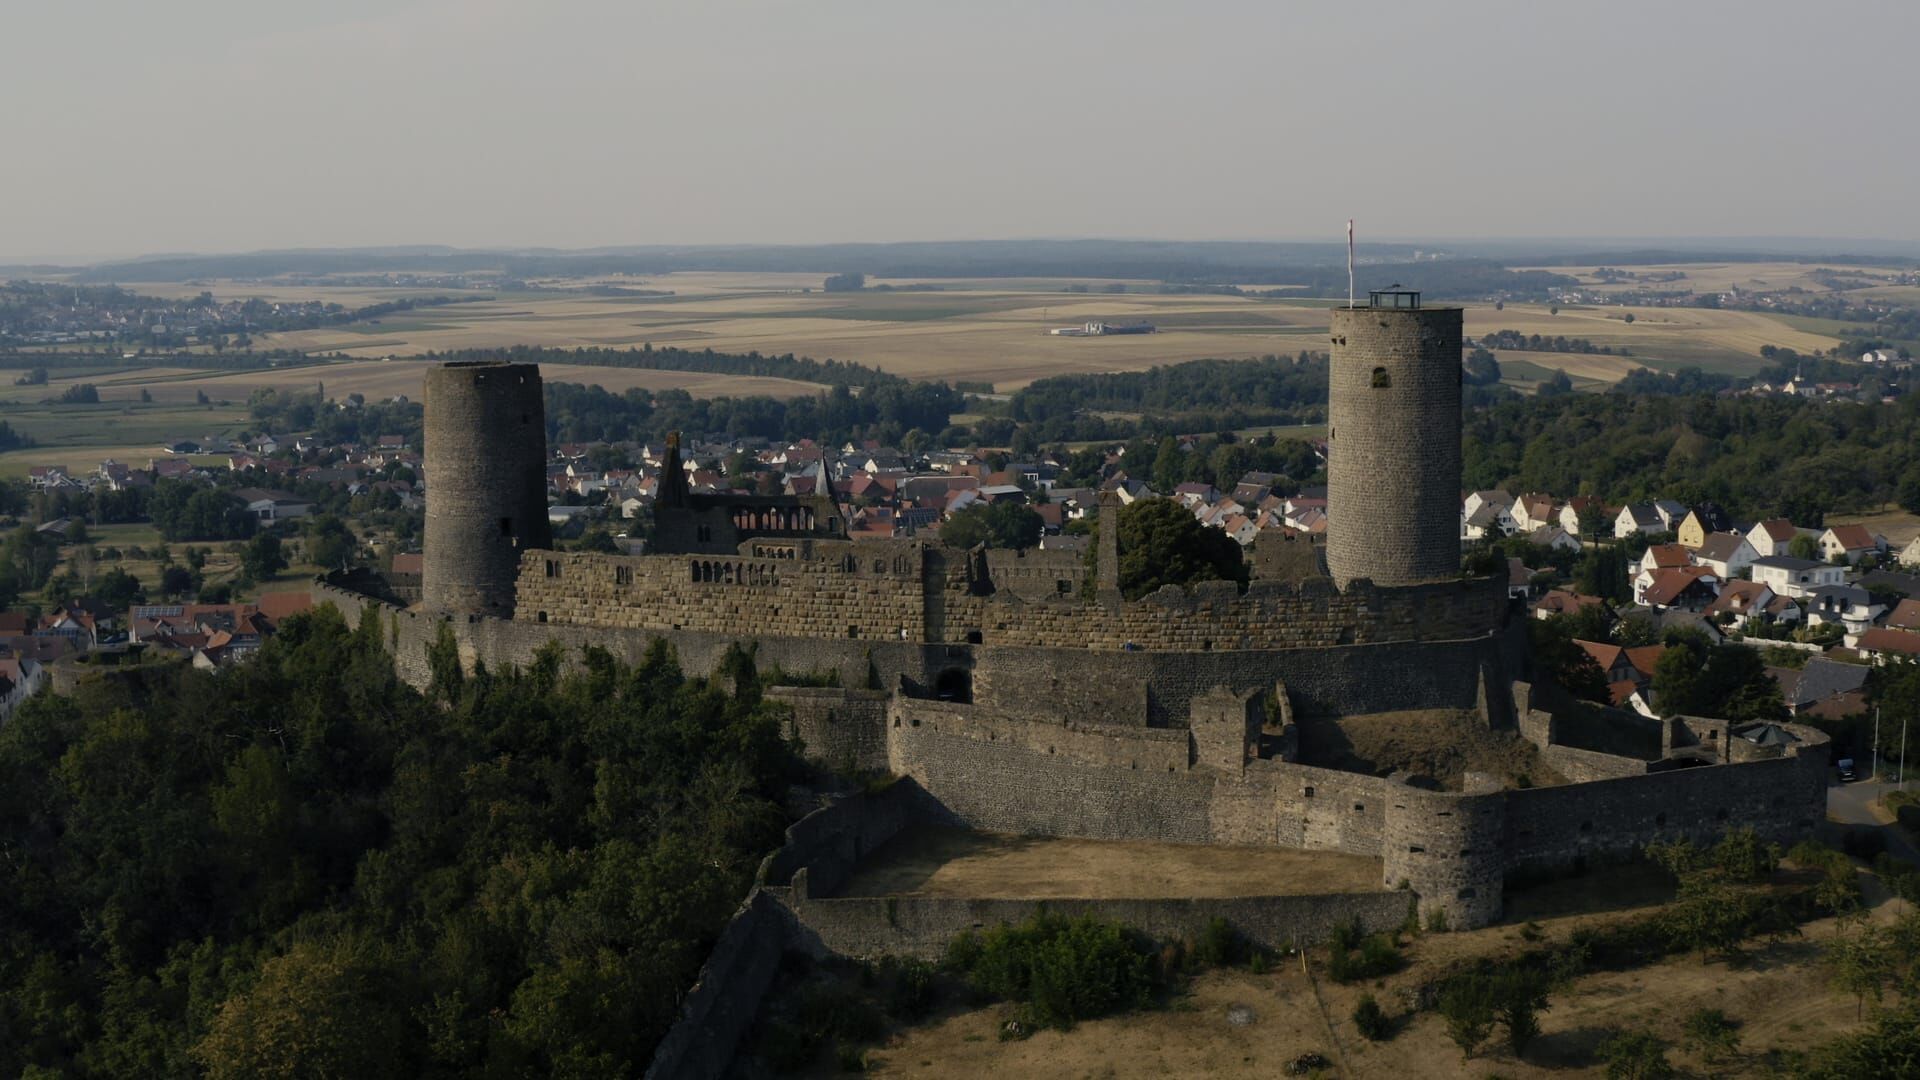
(486, 450)
(1393, 445)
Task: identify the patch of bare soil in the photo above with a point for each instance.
(958, 862)
(1439, 746)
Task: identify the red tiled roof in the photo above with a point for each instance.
(1852, 537)
(1881, 639)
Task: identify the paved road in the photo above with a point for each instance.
(1851, 803)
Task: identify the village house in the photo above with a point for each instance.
(1701, 522)
(1788, 576)
(1563, 602)
(1773, 536)
(1847, 606)
(1881, 643)
(1532, 511)
(1823, 688)
(1689, 588)
(1849, 541)
(1639, 518)
(1905, 615)
(1726, 554)
(1591, 505)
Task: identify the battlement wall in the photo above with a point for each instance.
(1216, 617)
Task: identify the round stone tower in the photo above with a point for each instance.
(486, 466)
(1393, 442)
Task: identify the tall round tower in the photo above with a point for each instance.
(486, 465)
(1393, 442)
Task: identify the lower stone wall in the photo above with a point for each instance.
(832, 840)
(924, 926)
(844, 729)
(1002, 775)
(1582, 766)
(1558, 827)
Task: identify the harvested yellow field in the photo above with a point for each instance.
(1680, 334)
(1578, 366)
(1704, 277)
(379, 380)
(976, 329)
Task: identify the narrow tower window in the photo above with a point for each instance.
(1381, 380)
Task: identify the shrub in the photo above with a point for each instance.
(1635, 1055)
(909, 987)
(1220, 944)
(1063, 970)
(1712, 1034)
(1376, 956)
(1742, 857)
(1437, 920)
(1467, 1005)
(1520, 995)
(1370, 1019)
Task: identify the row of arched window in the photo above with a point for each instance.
(729, 573)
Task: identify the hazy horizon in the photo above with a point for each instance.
(224, 126)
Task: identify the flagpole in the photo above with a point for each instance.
(1349, 262)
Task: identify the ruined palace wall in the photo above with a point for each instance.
(900, 590)
(875, 595)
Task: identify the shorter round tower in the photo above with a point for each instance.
(1393, 442)
(486, 475)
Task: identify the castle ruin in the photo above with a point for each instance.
(1017, 697)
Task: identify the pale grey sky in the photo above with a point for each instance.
(131, 126)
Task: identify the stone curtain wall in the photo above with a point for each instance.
(1393, 445)
(717, 1013)
(923, 926)
(1782, 798)
(486, 475)
(1017, 776)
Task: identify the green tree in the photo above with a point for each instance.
(1162, 544)
(329, 542)
(322, 1010)
(1803, 546)
(998, 525)
(263, 558)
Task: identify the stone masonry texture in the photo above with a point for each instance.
(1393, 445)
(486, 450)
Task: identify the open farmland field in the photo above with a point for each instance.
(1705, 277)
(1665, 338)
(377, 379)
(977, 329)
